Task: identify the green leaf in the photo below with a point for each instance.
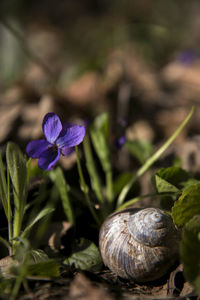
(44, 269)
(87, 258)
(162, 186)
(33, 170)
(43, 213)
(58, 178)
(187, 206)
(99, 135)
(120, 182)
(6, 285)
(142, 150)
(189, 182)
(101, 122)
(91, 167)
(38, 255)
(4, 242)
(174, 175)
(100, 140)
(130, 202)
(190, 249)
(17, 168)
(169, 180)
(3, 188)
(167, 201)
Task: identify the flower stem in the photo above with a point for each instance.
(84, 188)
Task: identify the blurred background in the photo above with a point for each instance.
(137, 60)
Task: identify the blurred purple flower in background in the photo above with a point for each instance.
(59, 140)
(187, 57)
(120, 141)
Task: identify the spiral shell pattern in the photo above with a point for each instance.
(132, 258)
(150, 226)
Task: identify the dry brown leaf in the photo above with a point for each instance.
(177, 286)
(68, 161)
(54, 234)
(183, 81)
(179, 74)
(168, 121)
(188, 152)
(32, 115)
(140, 130)
(8, 116)
(83, 289)
(5, 264)
(85, 90)
(140, 74)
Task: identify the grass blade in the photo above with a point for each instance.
(5, 242)
(85, 188)
(152, 159)
(90, 164)
(99, 135)
(3, 187)
(58, 178)
(43, 213)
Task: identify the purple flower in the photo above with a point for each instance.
(121, 141)
(187, 57)
(59, 140)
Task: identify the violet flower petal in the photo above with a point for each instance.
(35, 148)
(48, 159)
(67, 151)
(51, 127)
(70, 136)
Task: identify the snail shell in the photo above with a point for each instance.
(139, 244)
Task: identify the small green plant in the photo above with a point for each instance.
(14, 181)
(13, 193)
(178, 191)
(186, 214)
(180, 195)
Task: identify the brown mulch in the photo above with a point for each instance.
(105, 285)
